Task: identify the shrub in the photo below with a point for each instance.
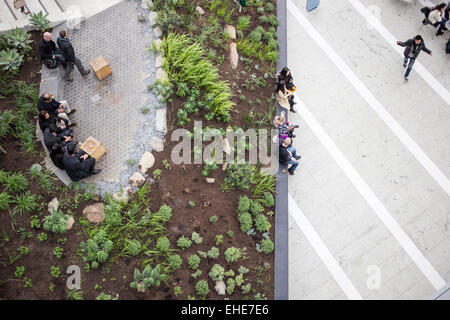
(244, 204)
(260, 10)
(55, 272)
(149, 277)
(175, 262)
(256, 207)
(184, 242)
(246, 288)
(20, 270)
(5, 201)
(177, 291)
(25, 203)
(133, 247)
(239, 279)
(168, 19)
(209, 166)
(230, 286)
(267, 246)
(10, 60)
(261, 223)
(243, 270)
(245, 220)
(183, 89)
(39, 21)
(219, 239)
(96, 249)
(230, 234)
(197, 274)
(58, 251)
(272, 20)
(243, 23)
(232, 254)
(41, 237)
(196, 238)
(213, 219)
(164, 212)
(269, 7)
(163, 244)
(268, 200)
(18, 39)
(194, 261)
(255, 36)
(56, 222)
(213, 253)
(217, 272)
(202, 288)
(239, 175)
(15, 183)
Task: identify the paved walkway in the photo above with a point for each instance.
(110, 109)
(371, 206)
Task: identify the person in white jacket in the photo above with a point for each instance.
(437, 18)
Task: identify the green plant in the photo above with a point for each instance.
(243, 23)
(261, 223)
(209, 166)
(74, 294)
(242, 98)
(192, 204)
(239, 175)
(56, 222)
(260, 10)
(133, 247)
(269, 7)
(230, 286)
(266, 246)
(245, 220)
(147, 278)
(164, 213)
(96, 249)
(219, 239)
(246, 288)
(213, 219)
(255, 36)
(104, 296)
(239, 280)
(217, 272)
(15, 183)
(194, 261)
(145, 110)
(20, 270)
(157, 174)
(41, 237)
(10, 60)
(51, 287)
(213, 253)
(196, 238)
(163, 244)
(197, 274)
(141, 18)
(163, 88)
(175, 262)
(202, 288)
(168, 19)
(27, 283)
(256, 207)
(24, 234)
(166, 164)
(39, 21)
(23, 250)
(184, 242)
(230, 234)
(244, 204)
(5, 201)
(232, 254)
(243, 270)
(18, 39)
(58, 252)
(177, 291)
(25, 202)
(62, 241)
(268, 200)
(183, 89)
(55, 272)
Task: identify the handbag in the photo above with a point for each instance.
(19, 4)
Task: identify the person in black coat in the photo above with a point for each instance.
(69, 56)
(45, 119)
(57, 155)
(288, 155)
(51, 137)
(55, 108)
(413, 47)
(48, 49)
(78, 165)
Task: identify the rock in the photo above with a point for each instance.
(152, 18)
(53, 205)
(122, 196)
(157, 43)
(231, 32)
(95, 213)
(210, 180)
(159, 61)
(151, 181)
(147, 3)
(161, 121)
(160, 97)
(157, 144)
(220, 287)
(200, 10)
(158, 32)
(70, 222)
(136, 180)
(234, 57)
(147, 161)
(161, 74)
(226, 146)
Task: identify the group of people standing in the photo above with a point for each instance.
(284, 94)
(54, 115)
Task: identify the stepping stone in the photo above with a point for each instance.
(146, 3)
(70, 222)
(136, 180)
(122, 196)
(200, 10)
(234, 56)
(53, 205)
(157, 43)
(220, 287)
(210, 180)
(157, 144)
(158, 32)
(161, 121)
(147, 161)
(95, 213)
(159, 61)
(161, 75)
(231, 32)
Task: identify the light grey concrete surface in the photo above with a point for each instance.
(336, 208)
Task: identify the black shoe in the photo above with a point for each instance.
(86, 73)
(68, 79)
(424, 21)
(293, 110)
(404, 65)
(96, 171)
(440, 32)
(291, 172)
(406, 78)
(73, 124)
(296, 126)
(298, 157)
(72, 111)
(293, 136)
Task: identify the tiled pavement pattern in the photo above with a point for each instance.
(333, 205)
(116, 119)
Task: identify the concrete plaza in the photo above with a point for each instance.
(369, 204)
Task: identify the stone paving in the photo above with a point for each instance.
(110, 110)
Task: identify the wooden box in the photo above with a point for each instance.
(93, 148)
(101, 68)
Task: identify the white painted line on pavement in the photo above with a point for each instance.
(384, 32)
(325, 255)
(402, 135)
(391, 224)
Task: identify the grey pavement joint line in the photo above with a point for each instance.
(373, 102)
(383, 214)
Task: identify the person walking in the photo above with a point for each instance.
(69, 56)
(288, 155)
(21, 4)
(413, 47)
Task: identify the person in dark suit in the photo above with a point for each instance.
(78, 165)
(288, 155)
(51, 137)
(69, 56)
(48, 50)
(57, 155)
(45, 119)
(55, 108)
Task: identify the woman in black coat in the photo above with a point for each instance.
(57, 154)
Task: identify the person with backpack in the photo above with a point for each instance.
(413, 47)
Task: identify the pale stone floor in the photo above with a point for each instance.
(336, 208)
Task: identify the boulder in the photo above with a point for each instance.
(200, 10)
(220, 287)
(231, 32)
(136, 180)
(152, 18)
(122, 195)
(210, 180)
(161, 121)
(161, 75)
(157, 144)
(95, 213)
(234, 56)
(53, 205)
(157, 43)
(147, 3)
(147, 161)
(159, 61)
(70, 222)
(158, 32)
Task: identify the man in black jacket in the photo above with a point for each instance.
(413, 47)
(51, 137)
(69, 56)
(48, 49)
(78, 165)
(46, 119)
(288, 155)
(55, 108)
